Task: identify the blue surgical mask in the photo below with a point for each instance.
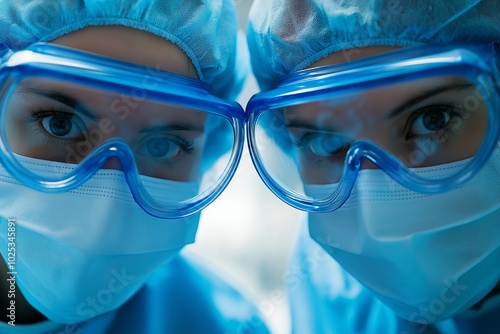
(83, 253)
(428, 257)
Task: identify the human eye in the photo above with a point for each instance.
(434, 121)
(323, 145)
(57, 124)
(165, 148)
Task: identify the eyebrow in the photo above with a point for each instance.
(172, 128)
(67, 100)
(397, 111)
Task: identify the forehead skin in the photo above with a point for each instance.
(130, 45)
(349, 55)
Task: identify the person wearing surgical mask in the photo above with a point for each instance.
(117, 127)
(381, 120)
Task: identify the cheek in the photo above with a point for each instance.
(19, 131)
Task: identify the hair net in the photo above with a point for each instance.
(205, 30)
(289, 35)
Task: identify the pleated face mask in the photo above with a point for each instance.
(428, 257)
(85, 252)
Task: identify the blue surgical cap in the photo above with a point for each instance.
(289, 35)
(205, 30)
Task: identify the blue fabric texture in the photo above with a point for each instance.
(205, 30)
(326, 299)
(181, 297)
(289, 35)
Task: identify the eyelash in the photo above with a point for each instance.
(36, 116)
(317, 162)
(447, 131)
(186, 147)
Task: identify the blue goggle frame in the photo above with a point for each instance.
(73, 66)
(469, 61)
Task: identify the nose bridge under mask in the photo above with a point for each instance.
(367, 164)
(114, 164)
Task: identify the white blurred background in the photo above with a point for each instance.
(248, 233)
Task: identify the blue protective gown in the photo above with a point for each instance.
(181, 297)
(325, 299)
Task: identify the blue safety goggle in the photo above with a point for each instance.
(404, 112)
(67, 114)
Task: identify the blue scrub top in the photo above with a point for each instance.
(181, 297)
(326, 299)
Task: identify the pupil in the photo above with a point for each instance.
(332, 144)
(60, 126)
(434, 120)
(326, 145)
(158, 147)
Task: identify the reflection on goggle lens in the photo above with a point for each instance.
(423, 123)
(64, 122)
